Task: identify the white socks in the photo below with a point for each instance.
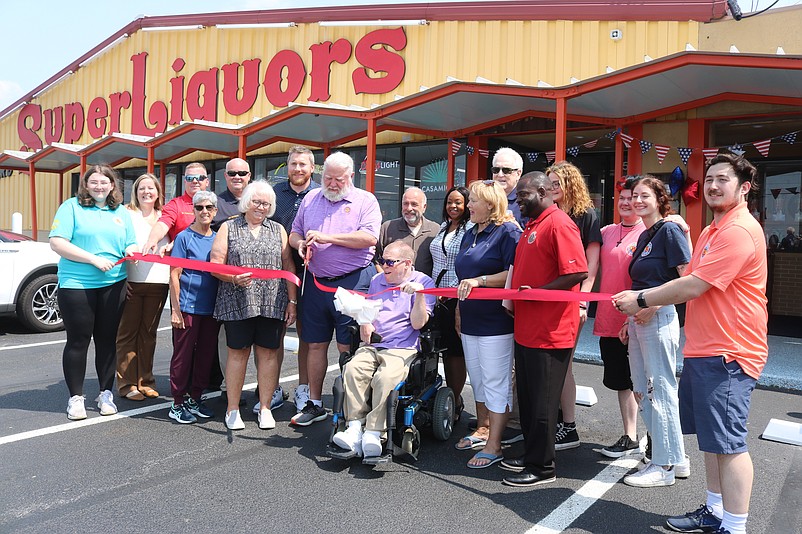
(734, 523)
(714, 504)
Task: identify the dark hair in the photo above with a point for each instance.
(631, 181)
(466, 215)
(661, 194)
(745, 171)
(115, 197)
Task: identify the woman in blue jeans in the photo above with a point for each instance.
(662, 254)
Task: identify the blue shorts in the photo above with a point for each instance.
(318, 316)
(714, 398)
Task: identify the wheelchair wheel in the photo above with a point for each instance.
(443, 414)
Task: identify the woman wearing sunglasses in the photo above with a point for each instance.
(192, 298)
(485, 255)
(255, 311)
(91, 232)
(444, 248)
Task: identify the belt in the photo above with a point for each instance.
(335, 278)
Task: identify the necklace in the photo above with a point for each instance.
(621, 233)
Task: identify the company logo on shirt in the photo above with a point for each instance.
(705, 250)
(347, 209)
(531, 238)
(631, 249)
(118, 221)
(646, 251)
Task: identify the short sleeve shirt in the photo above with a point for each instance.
(177, 215)
(731, 318)
(660, 256)
(359, 210)
(550, 247)
(393, 321)
(398, 230)
(589, 228)
(490, 251)
(198, 289)
(100, 231)
(618, 246)
(227, 208)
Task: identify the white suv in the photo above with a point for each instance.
(28, 282)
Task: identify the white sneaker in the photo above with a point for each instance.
(105, 402)
(683, 469)
(301, 396)
(266, 420)
(234, 421)
(75, 408)
(371, 443)
(350, 438)
(652, 476)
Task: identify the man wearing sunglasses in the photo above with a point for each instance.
(337, 228)
(377, 368)
(178, 214)
(506, 169)
(238, 175)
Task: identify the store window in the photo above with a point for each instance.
(778, 202)
(388, 188)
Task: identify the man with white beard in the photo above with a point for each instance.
(412, 228)
(337, 228)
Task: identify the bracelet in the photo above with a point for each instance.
(294, 302)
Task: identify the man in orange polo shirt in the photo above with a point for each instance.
(726, 343)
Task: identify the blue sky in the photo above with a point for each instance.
(37, 43)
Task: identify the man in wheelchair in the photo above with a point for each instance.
(375, 369)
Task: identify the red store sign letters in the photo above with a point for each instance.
(281, 80)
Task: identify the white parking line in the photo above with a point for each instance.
(578, 503)
(56, 342)
(121, 415)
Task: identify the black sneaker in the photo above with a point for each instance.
(309, 414)
(700, 520)
(625, 445)
(180, 414)
(516, 465)
(198, 408)
(566, 438)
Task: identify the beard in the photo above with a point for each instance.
(412, 219)
(338, 195)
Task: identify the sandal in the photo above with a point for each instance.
(474, 443)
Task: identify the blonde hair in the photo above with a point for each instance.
(492, 193)
(576, 197)
(133, 205)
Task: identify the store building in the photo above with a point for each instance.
(423, 94)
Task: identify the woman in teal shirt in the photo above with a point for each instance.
(91, 232)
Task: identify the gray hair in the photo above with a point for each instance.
(254, 188)
(512, 154)
(200, 196)
(341, 160)
(417, 190)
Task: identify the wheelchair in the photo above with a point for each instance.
(422, 401)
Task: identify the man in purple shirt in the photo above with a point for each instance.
(337, 228)
(379, 368)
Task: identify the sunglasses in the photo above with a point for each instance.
(502, 170)
(194, 177)
(389, 263)
(208, 207)
(238, 173)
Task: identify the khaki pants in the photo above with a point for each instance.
(376, 371)
(136, 336)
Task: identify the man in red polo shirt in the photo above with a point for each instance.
(178, 214)
(726, 342)
(550, 255)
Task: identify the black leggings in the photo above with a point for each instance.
(91, 313)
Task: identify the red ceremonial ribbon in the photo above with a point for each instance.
(218, 268)
(488, 293)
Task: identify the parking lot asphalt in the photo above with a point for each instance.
(140, 470)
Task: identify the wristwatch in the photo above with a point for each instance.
(484, 280)
(642, 301)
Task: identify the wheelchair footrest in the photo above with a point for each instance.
(385, 458)
(333, 451)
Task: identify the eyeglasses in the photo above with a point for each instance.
(389, 263)
(238, 173)
(208, 207)
(194, 177)
(502, 170)
(260, 204)
(555, 184)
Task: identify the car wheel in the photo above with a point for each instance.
(37, 307)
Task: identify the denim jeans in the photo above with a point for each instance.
(653, 363)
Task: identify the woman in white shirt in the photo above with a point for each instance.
(147, 293)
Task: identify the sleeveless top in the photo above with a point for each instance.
(265, 298)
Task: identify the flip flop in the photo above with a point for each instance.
(476, 443)
(494, 458)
